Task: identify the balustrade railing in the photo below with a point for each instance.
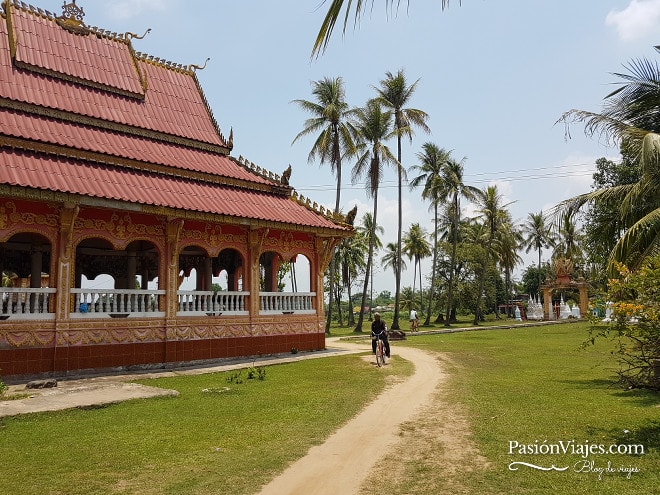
(116, 302)
(286, 302)
(38, 303)
(26, 303)
(202, 302)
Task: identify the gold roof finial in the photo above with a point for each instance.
(72, 18)
(72, 11)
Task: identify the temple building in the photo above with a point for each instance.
(112, 167)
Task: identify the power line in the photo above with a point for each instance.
(495, 176)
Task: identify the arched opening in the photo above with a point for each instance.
(25, 261)
(116, 282)
(228, 270)
(285, 284)
(210, 286)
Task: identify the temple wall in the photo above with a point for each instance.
(61, 343)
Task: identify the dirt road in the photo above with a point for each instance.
(343, 462)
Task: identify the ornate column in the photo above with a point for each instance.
(173, 233)
(255, 240)
(65, 262)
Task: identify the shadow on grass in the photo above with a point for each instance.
(646, 434)
(640, 397)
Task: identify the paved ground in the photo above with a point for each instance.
(82, 391)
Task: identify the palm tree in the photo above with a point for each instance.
(365, 230)
(631, 111)
(351, 254)
(374, 126)
(330, 117)
(507, 252)
(335, 8)
(432, 160)
(493, 214)
(630, 116)
(417, 247)
(537, 235)
(394, 94)
(391, 256)
(455, 189)
(639, 211)
(569, 239)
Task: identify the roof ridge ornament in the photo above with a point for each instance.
(196, 67)
(130, 36)
(72, 18)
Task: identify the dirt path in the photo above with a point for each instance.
(342, 463)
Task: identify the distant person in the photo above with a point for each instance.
(414, 320)
(379, 331)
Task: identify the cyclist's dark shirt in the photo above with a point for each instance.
(378, 327)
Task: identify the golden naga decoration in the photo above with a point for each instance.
(196, 67)
(130, 36)
(286, 175)
(350, 216)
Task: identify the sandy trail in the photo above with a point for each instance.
(342, 463)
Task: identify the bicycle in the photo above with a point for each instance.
(380, 351)
(414, 325)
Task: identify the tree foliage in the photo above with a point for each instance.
(635, 326)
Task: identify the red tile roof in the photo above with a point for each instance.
(39, 171)
(43, 45)
(173, 103)
(83, 114)
(116, 144)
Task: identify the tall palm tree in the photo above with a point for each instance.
(537, 234)
(569, 239)
(330, 118)
(351, 258)
(430, 171)
(334, 9)
(455, 189)
(365, 229)
(494, 214)
(417, 247)
(390, 258)
(394, 93)
(508, 245)
(374, 126)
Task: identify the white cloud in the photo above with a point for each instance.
(638, 19)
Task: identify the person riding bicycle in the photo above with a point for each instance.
(414, 320)
(379, 331)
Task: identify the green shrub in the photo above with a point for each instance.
(635, 324)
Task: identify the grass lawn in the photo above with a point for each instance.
(209, 440)
(533, 386)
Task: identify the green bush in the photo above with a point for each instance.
(635, 324)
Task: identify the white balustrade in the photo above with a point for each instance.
(286, 302)
(209, 303)
(90, 303)
(26, 303)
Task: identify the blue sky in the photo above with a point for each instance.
(494, 77)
